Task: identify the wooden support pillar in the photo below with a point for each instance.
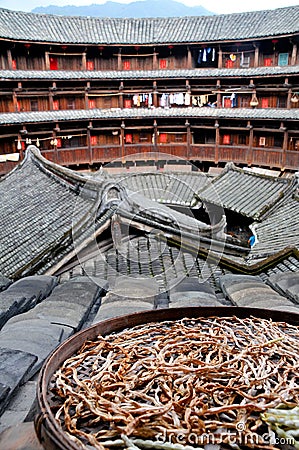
(155, 137)
(155, 94)
(122, 140)
(19, 146)
(84, 61)
(121, 95)
(250, 144)
(47, 60)
(51, 95)
(217, 141)
(220, 58)
(9, 59)
(218, 87)
(187, 124)
(155, 60)
(87, 88)
(256, 55)
(119, 60)
(294, 54)
(89, 128)
(54, 145)
(15, 101)
(189, 58)
(289, 103)
(284, 145)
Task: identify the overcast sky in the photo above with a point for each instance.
(217, 6)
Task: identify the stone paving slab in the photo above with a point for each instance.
(246, 296)
(178, 297)
(289, 307)
(23, 295)
(31, 341)
(282, 308)
(10, 305)
(30, 320)
(38, 286)
(15, 365)
(61, 312)
(130, 288)
(191, 284)
(286, 284)
(4, 282)
(246, 291)
(20, 437)
(22, 401)
(120, 308)
(194, 301)
(29, 325)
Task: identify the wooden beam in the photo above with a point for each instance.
(294, 54)
(47, 60)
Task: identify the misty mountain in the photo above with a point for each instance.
(146, 8)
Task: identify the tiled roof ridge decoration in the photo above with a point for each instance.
(147, 74)
(89, 30)
(150, 113)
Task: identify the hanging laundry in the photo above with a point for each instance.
(233, 99)
(187, 99)
(204, 99)
(199, 59)
(204, 56)
(150, 100)
(213, 54)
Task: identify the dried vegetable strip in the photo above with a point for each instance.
(201, 377)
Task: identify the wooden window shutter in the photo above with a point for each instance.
(91, 103)
(55, 105)
(227, 103)
(90, 65)
(127, 65)
(262, 141)
(265, 102)
(267, 62)
(53, 64)
(283, 59)
(226, 139)
(163, 63)
(127, 103)
(229, 64)
(93, 140)
(163, 138)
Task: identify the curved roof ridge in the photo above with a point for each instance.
(15, 25)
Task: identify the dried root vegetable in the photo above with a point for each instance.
(206, 378)
(285, 423)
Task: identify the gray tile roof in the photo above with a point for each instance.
(154, 113)
(278, 231)
(37, 214)
(88, 30)
(247, 193)
(147, 74)
(175, 188)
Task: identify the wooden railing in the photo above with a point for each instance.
(267, 157)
